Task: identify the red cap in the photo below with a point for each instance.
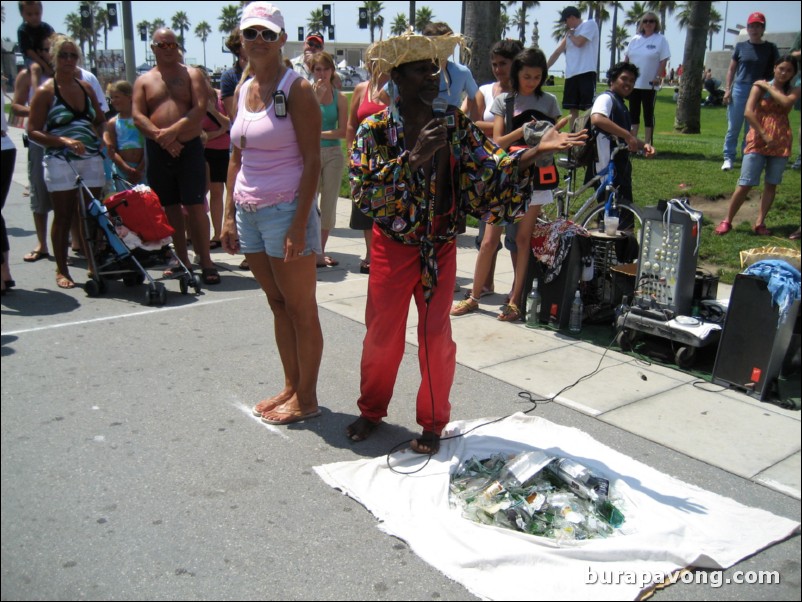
(756, 18)
(317, 37)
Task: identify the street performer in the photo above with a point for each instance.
(416, 173)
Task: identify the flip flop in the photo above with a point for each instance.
(291, 417)
(35, 256)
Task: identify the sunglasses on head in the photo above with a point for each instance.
(268, 35)
(167, 45)
(68, 55)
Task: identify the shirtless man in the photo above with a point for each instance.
(168, 106)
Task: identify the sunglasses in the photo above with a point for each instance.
(648, 21)
(268, 35)
(68, 55)
(166, 45)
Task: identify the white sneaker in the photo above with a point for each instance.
(727, 165)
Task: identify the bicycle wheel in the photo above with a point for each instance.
(593, 219)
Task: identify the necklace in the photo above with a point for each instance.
(243, 139)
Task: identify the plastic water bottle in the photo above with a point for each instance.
(533, 307)
(611, 219)
(575, 320)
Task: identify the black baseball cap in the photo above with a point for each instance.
(569, 11)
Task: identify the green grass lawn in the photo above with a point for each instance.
(689, 166)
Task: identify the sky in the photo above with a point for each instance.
(345, 16)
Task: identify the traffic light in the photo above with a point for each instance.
(300, 34)
(363, 18)
(143, 33)
(111, 11)
(331, 32)
(86, 16)
(326, 15)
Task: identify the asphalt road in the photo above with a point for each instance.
(132, 468)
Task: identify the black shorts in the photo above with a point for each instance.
(217, 159)
(579, 91)
(177, 180)
(642, 98)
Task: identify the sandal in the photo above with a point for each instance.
(795, 235)
(63, 281)
(364, 267)
(761, 230)
(427, 443)
(723, 228)
(486, 292)
(465, 306)
(210, 276)
(510, 313)
(35, 256)
(214, 244)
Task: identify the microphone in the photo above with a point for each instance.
(439, 106)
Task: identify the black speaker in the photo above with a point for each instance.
(753, 344)
(556, 296)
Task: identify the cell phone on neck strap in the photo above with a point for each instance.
(280, 103)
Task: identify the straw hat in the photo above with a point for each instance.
(385, 55)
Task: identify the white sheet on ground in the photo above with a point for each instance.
(669, 524)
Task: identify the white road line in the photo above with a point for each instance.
(122, 316)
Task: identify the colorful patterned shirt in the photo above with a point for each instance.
(485, 181)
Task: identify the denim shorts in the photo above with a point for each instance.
(264, 230)
(59, 176)
(753, 164)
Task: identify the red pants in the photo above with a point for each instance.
(395, 271)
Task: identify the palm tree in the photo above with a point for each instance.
(423, 16)
(229, 18)
(202, 31)
(400, 25)
(519, 20)
(481, 23)
(315, 20)
(181, 22)
(102, 22)
(634, 14)
(664, 8)
(684, 18)
(72, 23)
(155, 25)
(619, 40)
(375, 20)
(503, 23)
(689, 102)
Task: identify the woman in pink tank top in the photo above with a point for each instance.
(270, 214)
(365, 102)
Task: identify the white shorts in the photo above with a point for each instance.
(541, 197)
(59, 174)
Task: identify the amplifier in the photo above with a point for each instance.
(753, 345)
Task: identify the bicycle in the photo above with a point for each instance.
(590, 214)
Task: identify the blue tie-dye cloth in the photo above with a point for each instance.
(783, 279)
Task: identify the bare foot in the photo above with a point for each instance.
(427, 443)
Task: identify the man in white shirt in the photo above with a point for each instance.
(301, 63)
(581, 48)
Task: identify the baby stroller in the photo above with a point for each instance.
(134, 225)
(715, 95)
